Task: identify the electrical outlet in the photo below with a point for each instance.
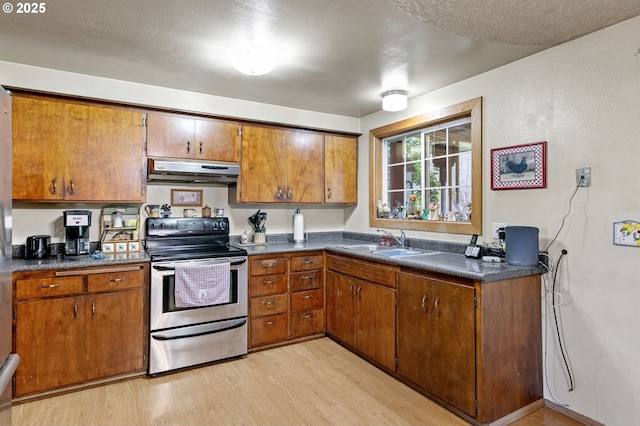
(496, 227)
(583, 176)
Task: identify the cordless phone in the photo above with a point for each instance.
(473, 250)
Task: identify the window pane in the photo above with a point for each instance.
(414, 176)
(414, 148)
(436, 142)
(394, 152)
(396, 178)
(460, 138)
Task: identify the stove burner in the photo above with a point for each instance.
(189, 238)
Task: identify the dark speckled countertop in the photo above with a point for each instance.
(28, 265)
(450, 260)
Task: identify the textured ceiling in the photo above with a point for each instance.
(336, 56)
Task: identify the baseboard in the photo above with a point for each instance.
(571, 414)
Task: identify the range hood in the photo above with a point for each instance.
(188, 171)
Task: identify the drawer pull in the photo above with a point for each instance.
(269, 282)
(308, 262)
(435, 307)
(351, 290)
(270, 265)
(75, 311)
(93, 309)
(307, 277)
(50, 285)
(310, 296)
(116, 280)
(307, 316)
(268, 302)
(424, 303)
(270, 322)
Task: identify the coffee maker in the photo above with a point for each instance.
(78, 224)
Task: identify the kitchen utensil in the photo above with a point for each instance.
(153, 210)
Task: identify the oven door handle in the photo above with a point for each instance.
(175, 334)
(172, 267)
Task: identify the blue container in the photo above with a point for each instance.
(521, 245)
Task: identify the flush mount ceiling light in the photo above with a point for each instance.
(253, 58)
(394, 100)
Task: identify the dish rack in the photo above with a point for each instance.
(121, 239)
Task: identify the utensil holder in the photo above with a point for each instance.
(259, 238)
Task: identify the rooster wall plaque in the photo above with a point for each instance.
(519, 166)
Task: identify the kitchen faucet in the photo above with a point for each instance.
(399, 240)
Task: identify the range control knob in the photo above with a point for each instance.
(222, 225)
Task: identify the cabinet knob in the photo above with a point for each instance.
(54, 186)
(72, 187)
(328, 193)
(424, 303)
(188, 147)
(200, 148)
(289, 193)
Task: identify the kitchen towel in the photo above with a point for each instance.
(298, 227)
(202, 285)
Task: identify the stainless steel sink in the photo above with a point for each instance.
(389, 251)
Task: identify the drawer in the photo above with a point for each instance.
(264, 285)
(307, 323)
(369, 271)
(48, 287)
(114, 281)
(276, 265)
(270, 329)
(306, 280)
(307, 300)
(269, 305)
(307, 263)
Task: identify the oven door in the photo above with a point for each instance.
(164, 314)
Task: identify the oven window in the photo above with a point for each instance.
(169, 300)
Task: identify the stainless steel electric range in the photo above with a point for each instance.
(184, 336)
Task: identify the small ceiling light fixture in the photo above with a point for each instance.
(253, 59)
(394, 100)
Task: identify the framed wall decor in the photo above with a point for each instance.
(519, 166)
(186, 197)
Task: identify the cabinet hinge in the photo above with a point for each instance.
(240, 131)
(475, 301)
(396, 300)
(475, 406)
(144, 121)
(15, 314)
(396, 363)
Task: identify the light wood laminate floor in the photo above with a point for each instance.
(315, 382)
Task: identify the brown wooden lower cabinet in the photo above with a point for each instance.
(361, 313)
(286, 294)
(76, 326)
(476, 346)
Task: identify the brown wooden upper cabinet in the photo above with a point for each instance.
(340, 169)
(187, 137)
(280, 165)
(67, 150)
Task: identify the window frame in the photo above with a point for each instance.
(471, 108)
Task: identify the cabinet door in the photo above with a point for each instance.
(375, 322)
(49, 336)
(115, 339)
(261, 173)
(38, 148)
(216, 140)
(436, 338)
(340, 170)
(104, 154)
(304, 167)
(341, 307)
(170, 136)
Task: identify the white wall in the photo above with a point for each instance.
(583, 98)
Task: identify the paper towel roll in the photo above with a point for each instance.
(298, 227)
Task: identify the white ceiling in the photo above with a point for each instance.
(337, 56)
